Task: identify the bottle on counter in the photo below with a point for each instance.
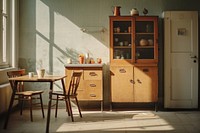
(81, 59)
(87, 58)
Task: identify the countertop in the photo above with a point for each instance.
(84, 65)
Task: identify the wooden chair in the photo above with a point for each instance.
(21, 95)
(68, 93)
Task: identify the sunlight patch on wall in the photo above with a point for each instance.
(42, 52)
(70, 36)
(42, 18)
(58, 38)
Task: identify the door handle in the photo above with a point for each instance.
(194, 57)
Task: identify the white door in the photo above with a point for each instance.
(180, 59)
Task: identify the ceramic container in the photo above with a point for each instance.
(143, 42)
(134, 12)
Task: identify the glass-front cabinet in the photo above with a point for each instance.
(134, 59)
(133, 39)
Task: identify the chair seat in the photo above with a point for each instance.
(57, 92)
(60, 93)
(29, 93)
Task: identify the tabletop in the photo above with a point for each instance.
(47, 78)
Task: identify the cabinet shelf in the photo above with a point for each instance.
(122, 47)
(144, 33)
(145, 46)
(122, 33)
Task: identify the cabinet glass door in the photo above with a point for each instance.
(122, 40)
(145, 40)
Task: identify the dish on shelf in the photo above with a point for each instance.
(150, 41)
(143, 42)
(120, 43)
(125, 43)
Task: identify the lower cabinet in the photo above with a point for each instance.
(134, 83)
(91, 84)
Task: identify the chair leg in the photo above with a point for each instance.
(21, 102)
(41, 103)
(56, 111)
(70, 109)
(78, 107)
(67, 107)
(31, 114)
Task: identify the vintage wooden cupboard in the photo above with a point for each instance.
(134, 58)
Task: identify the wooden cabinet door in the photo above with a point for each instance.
(146, 39)
(145, 84)
(122, 83)
(121, 39)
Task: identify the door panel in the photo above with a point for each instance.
(122, 83)
(145, 87)
(181, 36)
(180, 74)
(181, 62)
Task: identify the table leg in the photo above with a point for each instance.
(10, 106)
(49, 107)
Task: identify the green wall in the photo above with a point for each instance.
(50, 32)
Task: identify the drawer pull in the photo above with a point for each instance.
(92, 85)
(92, 74)
(92, 95)
(122, 70)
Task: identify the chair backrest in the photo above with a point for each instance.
(16, 73)
(74, 83)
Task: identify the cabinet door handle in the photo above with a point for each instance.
(92, 74)
(132, 81)
(139, 81)
(122, 70)
(92, 95)
(92, 85)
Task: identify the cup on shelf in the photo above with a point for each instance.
(129, 29)
(125, 43)
(150, 42)
(121, 43)
(116, 39)
(117, 57)
(118, 29)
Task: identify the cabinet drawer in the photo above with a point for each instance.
(93, 89)
(92, 75)
(94, 95)
(93, 84)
